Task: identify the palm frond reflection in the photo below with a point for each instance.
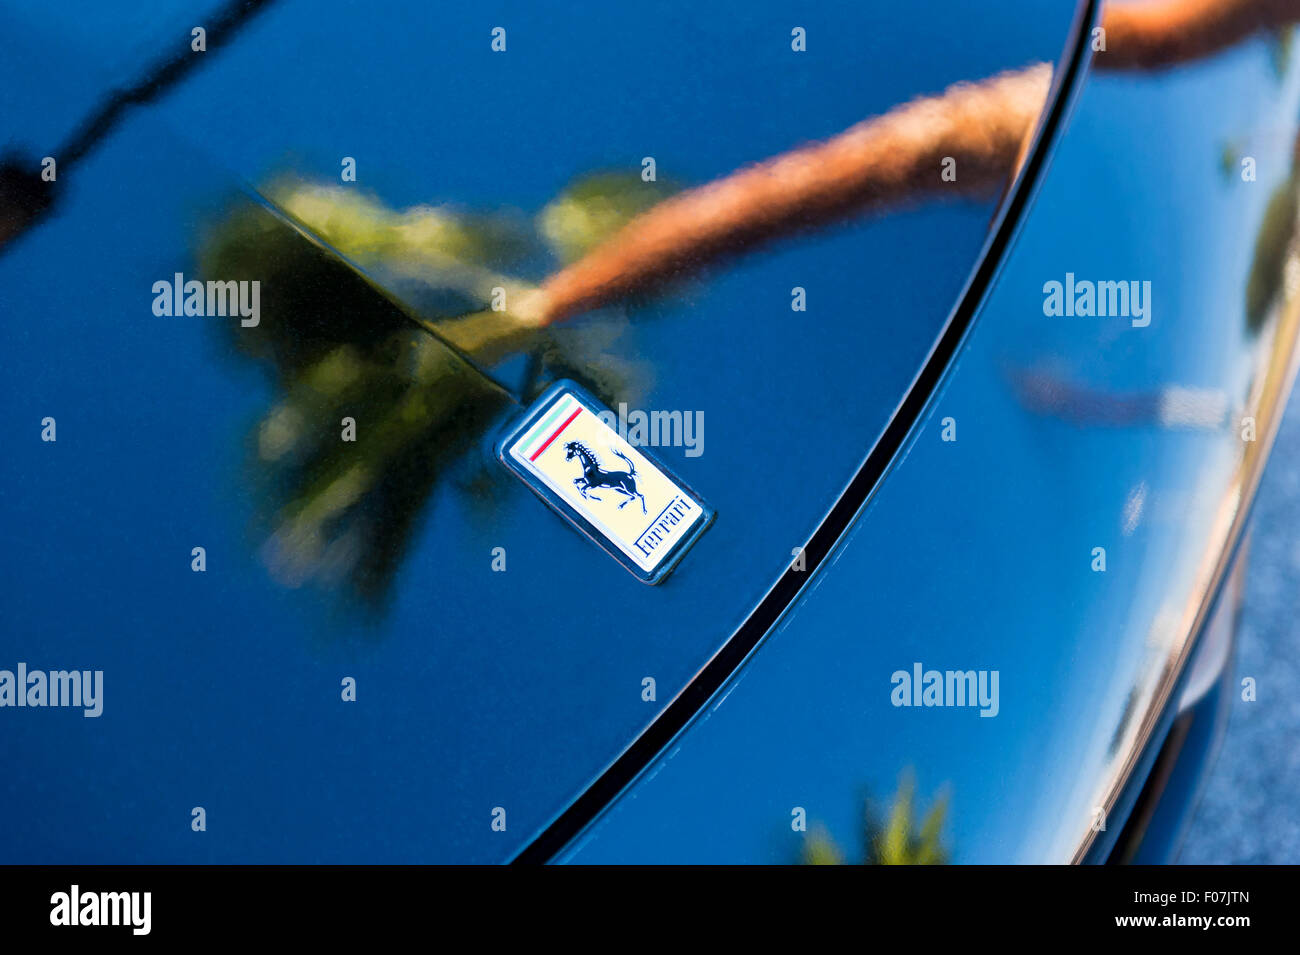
(892, 836)
(372, 411)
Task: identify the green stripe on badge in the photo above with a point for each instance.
(543, 427)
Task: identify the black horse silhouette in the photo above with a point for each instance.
(593, 475)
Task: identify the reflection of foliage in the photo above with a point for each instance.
(1273, 249)
(1280, 43)
(337, 347)
(593, 209)
(446, 262)
(1230, 160)
(450, 265)
(820, 849)
(893, 839)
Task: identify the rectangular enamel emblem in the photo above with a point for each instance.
(612, 491)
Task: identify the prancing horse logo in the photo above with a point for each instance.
(594, 476)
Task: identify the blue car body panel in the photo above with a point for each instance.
(1071, 433)
(481, 691)
(475, 689)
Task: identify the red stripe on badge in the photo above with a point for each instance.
(568, 421)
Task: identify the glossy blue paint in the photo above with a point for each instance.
(475, 689)
(978, 553)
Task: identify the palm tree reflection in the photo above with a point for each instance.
(891, 838)
(346, 285)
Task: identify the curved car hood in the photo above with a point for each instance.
(497, 659)
(986, 659)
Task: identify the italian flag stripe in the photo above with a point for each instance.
(540, 436)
